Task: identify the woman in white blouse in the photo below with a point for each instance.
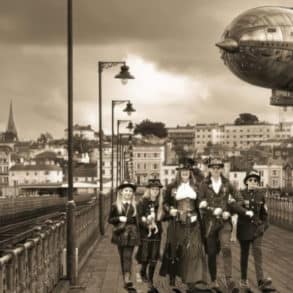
(184, 250)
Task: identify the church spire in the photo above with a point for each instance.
(11, 128)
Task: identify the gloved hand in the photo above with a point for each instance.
(249, 214)
(217, 212)
(226, 215)
(231, 199)
(193, 219)
(122, 219)
(173, 212)
(203, 204)
(150, 218)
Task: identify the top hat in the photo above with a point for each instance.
(250, 174)
(154, 183)
(215, 162)
(186, 163)
(127, 183)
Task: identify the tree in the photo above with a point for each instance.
(44, 138)
(246, 119)
(82, 145)
(147, 127)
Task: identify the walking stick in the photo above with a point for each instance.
(173, 264)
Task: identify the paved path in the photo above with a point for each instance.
(102, 274)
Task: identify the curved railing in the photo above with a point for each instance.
(39, 263)
(280, 211)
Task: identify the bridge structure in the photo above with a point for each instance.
(37, 262)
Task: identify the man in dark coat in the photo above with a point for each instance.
(250, 230)
(217, 203)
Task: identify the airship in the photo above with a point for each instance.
(258, 48)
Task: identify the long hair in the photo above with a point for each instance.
(119, 203)
(192, 180)
(147, 195)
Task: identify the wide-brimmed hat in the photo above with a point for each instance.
(154, 183)
(127, 183)
(186, 163)
(250, 174)
(215, 162)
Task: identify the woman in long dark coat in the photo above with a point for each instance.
(149, 211)
(184, 254)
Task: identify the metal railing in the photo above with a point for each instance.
(35, 265)
(38, 264)
(280, 211)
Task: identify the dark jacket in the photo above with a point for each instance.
(144, 210)
(128, 233)
(227, 199)
(250, 228)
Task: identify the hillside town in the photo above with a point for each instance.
(40, 166)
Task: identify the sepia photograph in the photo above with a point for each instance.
(146, 146)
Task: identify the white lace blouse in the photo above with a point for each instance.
(185, 191)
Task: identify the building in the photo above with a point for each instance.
(182, 137)
(85, 173)
(236, 178)
(147, 161)
(240, 136)
(246, 136)
(107, 159)
(35, 174)
(5, 164)
(85, 132)
(207, 134)
(284, 150)
(272, 173)
(10, 135)
(168, 174)
(288, 175)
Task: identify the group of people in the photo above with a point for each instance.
(198, 211)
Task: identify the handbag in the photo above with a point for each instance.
(119, 229)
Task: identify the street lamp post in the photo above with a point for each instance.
(130, 127)
(129, 109)
(130, 149)
(124, 75)
(123, 150)
(71, 255)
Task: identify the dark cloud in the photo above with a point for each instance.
(176, 36)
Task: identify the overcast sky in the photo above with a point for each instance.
(168, 44)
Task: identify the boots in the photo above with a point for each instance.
(215, 286)
(143, 273)
(231, 286)
(265, 285)
(127, 281)
(244, 287)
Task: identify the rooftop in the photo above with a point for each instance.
(88, 170)
(37, 167)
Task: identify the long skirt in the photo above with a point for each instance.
(189, 263)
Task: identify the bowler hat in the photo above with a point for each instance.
(127, 183)
(154, 183)
(215, 162)
(252, 173)
(186, 163)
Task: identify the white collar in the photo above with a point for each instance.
(126, 201)
(216, 184)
